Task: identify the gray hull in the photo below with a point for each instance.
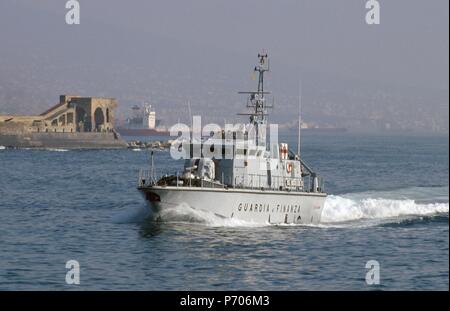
(262, 207)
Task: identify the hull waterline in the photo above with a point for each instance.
(256, 206)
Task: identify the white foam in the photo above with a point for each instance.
(345, 208)
(355, 209)
(2, 147)
(56, 149)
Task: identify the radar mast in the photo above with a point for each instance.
(257, 101)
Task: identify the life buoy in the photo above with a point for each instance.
(289, 167)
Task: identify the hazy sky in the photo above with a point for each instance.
(410, 46)
(139, 49)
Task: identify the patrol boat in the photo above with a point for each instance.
(248, 177)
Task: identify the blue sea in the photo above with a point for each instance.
(388, 201)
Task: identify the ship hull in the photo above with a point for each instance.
(141, 132)
(262, 207)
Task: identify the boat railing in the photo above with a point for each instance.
(248, 181)
(274, 183)
(146, 178)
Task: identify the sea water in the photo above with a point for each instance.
(388, 201)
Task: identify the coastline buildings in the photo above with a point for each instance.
(75, 122)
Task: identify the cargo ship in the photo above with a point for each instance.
(142, 122)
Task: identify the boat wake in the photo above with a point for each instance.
(347, 210)
(375, 209)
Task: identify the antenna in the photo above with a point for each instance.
(257, 101)
(299, 116)
(152, 168)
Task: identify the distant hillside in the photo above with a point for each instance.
(38, 64)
